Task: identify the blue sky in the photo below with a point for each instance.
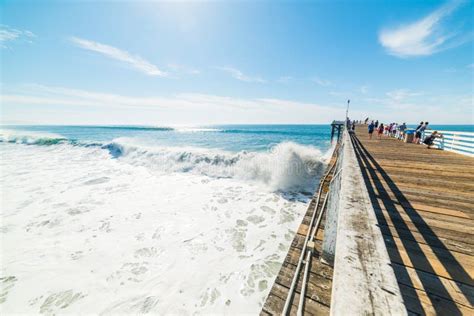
(192, 63)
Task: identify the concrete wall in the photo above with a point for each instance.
(364, 282)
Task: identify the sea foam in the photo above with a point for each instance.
(86, 232)
(285, 167)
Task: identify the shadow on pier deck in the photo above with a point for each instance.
(424, 203)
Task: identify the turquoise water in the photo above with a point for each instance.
(451, 128)
(225, 137)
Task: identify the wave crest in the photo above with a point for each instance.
(285, 167)
(31, 138)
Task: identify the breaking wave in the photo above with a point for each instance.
(286, 167)
(31, 138)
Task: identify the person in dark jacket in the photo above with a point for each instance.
(430, 139)
(371, 128)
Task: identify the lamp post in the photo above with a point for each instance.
(347, 114)
(347, 109)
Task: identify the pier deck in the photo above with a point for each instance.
(424, 203)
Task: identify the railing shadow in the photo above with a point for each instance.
(372, 171)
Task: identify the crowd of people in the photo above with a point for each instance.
(399, 131)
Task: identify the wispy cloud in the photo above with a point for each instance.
(239, 75)
(423, 37)
(8, 34)
(134, 61)
(321, 82)
(401, 95)
(397, 99)
(183, 108)
(403, 105)
(183, 69)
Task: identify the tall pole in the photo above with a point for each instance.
(347, 115)
(347, 109)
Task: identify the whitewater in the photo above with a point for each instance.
(120, 220)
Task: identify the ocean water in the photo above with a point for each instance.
(451, 128)
(131, 219)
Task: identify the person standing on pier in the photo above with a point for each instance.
(417, 133)
(371, 129)
(380, 130)
(402, 128)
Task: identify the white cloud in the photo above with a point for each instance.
(285, 79)
(401, 95)
(239, 75)
(423, 37)
(75, 106)
(406, 106)
(115, 53)
(59, 105)
(183, 69)
(321, 82)
(8, 34)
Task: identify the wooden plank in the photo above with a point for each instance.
(432, 241)
(436, 199)
(318, 287)
(438, 210)
(276, 300)
(421, 303)
(442, 287)
(448, 264)
(426, 221)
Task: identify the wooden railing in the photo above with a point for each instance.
(458, 142)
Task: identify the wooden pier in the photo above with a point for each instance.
(423, 200)
(424, 203)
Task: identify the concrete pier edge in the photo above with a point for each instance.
(364, 281)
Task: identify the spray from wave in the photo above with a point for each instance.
(285, 167)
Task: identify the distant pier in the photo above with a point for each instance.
(396, 235)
